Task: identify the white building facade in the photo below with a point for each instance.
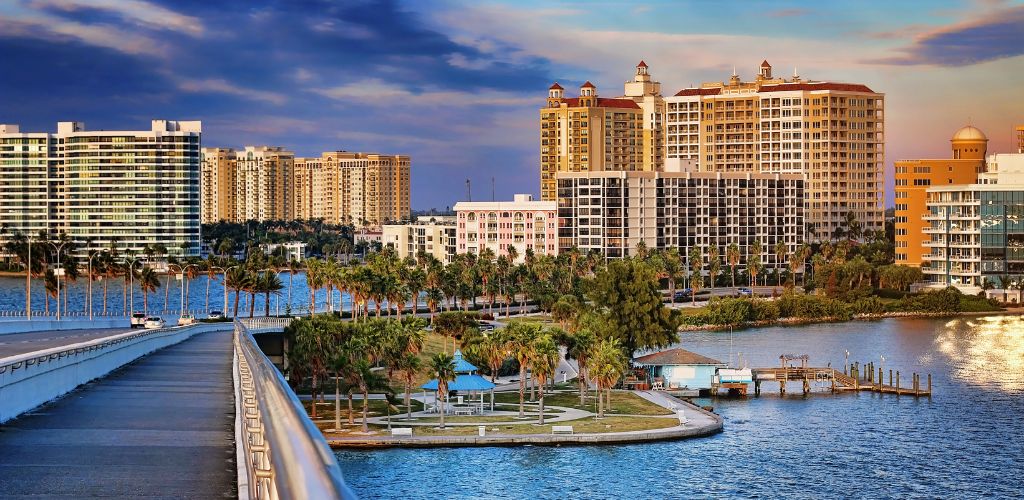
(123, 188)
(434, 236)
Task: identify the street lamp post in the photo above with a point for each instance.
(182, 287)
(89, 299)
(28, 280)
(59, 271)
(225, 284)
(131, 284)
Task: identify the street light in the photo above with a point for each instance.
(225, 285)
(131, 284)
(59, 271)
(184, 282)
(89, 299)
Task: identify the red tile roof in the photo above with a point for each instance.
(783, 87)
(709, 91)
(588, 84)
(764, 64)
(556, 86)
(642, 64)
(675, 357)
(604, 102)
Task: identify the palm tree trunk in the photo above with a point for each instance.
(104, 297)
(408, 401)
(600, 408)
(440, 402)
(541, 420)
(366, 408)
(312, 399)
(337, 403)
(266, 305)
(167, 292)
(145, 303)
(235, 314)
(522, 387)
(351, 414)
(252, 303)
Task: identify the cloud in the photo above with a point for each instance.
(782, 13)
(997, 35)
(139, 12)
(56, 30)
(375, 92)
(224, 87)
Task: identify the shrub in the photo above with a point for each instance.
(868, 305)
(812, 307)
(764, 310)
(728, 311)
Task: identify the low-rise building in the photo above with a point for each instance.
(434, 236)
(613, 212)
(522, 224)
(293, 251)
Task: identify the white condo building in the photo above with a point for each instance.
(135, 188)
(523, 223)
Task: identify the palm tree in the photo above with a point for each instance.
(579, 346)
(442, 365)
(732, 255)
(191, 273)
(521, 340)
(148, 283)
(781, 254)
(50, 285)
(410, 367)
(697, 268)
(714, 265)
(672, 267)
(314, 345)
(269, 284)
(434, 297)
(607, 365)
(754, 262)
(210, 276)
(314, 280)
(415, 279)
(543, 360)
(237, 279)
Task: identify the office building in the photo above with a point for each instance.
(613, 212)
(523, 224)
(832, 133)
(914, 177)
(125, 188)
(434, 236)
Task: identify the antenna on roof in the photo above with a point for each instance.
(469, 191)
(492, 188)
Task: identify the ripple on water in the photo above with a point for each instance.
(964, 442)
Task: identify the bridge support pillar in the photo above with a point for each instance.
(807, 387)
(757, 387)
(782, 387)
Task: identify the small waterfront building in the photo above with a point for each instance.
(679, 369)
(292, 250)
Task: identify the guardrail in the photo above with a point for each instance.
(282, 454)
(31, 379)
(260, 325)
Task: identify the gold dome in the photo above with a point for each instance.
(969, 133)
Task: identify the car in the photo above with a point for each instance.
(745, 291)
(153, 322)
(484, 326)
(186, 319)
(684, 294)
(215, 315)
(138, 320)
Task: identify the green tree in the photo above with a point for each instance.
(672, 266)
(520, 341)
(442, 365)
(714, 265)
(148, 282)
(543, 361)
(626, 294)
(697, 270)
(754, 262)
(732, 255)
(607, 366)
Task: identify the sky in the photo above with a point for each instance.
(457, 85)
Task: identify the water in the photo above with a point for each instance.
(966, 441)
(12, 296)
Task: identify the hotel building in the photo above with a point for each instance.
(434, 236)
(613, 212)
(523, 223)
(132, 188)
(914, 177)
(832, 133)
(589, 133)
(364, 189)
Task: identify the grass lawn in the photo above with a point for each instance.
(623, 403)
(584, 425)
(326, 410)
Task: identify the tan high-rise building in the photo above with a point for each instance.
(832, 133)
(1020, 138)
(364, 189)
(217, 185)
(263, 178)
(589, 133)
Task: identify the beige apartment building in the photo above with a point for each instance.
(832, 133)
(250, 184)
(589, 133)
(434, 236)
(364, 189)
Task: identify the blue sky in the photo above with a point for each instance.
(456, 85)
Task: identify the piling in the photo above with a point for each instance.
(929, 385)
(881, 379)
(890, 377)
(897, 382)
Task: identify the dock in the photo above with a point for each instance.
(856, 377)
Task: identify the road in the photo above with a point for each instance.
(20, 343)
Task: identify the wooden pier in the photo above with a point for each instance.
(858, 378)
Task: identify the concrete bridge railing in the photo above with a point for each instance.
(263, 325)
(281, 452)
(31, 379)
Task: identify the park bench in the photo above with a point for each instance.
(401, 431)
(561, 429)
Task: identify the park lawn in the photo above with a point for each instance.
(583, 425)
(326, 410)
(623, 403)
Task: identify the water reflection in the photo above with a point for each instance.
(986, 352)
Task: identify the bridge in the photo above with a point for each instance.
(186, 412)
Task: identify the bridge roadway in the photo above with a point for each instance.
(20, 343)
(162, 426)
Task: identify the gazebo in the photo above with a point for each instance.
(466, 380)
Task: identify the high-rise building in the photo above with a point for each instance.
(434, 236)
(365, 189)
(589, 133)
(263, 184)
(104, 188)
(613, 212)
(217, 185)
(1020, 138)
(832, 133)
(914, 177)
(523, 224)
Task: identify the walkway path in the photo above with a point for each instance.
(162, 426)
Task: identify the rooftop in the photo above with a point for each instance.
(675, 356)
